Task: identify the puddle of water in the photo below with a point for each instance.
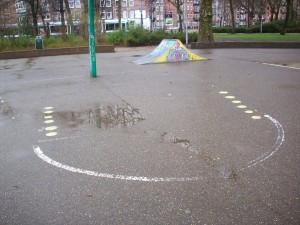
(103, 117)
(5, 109)
(227, 173)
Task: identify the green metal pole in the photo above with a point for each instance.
(93, 69)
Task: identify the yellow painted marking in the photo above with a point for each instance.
(242, 106)
(48, 112)
(230, 97)
(48, 117)
(49, 121)
(256, 117)
(223, 92)
(248, 111)
(236, 102)
(51, 128)
(47, 108)
(51, 134)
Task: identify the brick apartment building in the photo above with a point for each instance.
(153, 14)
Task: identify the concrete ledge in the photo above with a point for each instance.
(195, 45)
(55, 51)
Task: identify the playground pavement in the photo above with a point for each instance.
(203, 142)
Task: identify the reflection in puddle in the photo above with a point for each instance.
(117, 116)
(103, 117)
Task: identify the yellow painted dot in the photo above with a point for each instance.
(248, 111)
(48, 117)
(49, 121)
(47, 108)
(51, 128)
(223, 92)
(242, 106)
(256, 117)
(236, 102)
(230, 97)
(48, 112)
(51, 134)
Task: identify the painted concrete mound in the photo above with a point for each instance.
(169, 50)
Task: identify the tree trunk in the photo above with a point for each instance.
(34, 5)
(232, 17)
(69, 19)
(62, 19)
(120, 14)
(286, 19)
(205, 22)
(179, 15)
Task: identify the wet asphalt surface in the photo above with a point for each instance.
(151, 144)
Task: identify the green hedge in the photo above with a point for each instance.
(141, 37)
(273, 27)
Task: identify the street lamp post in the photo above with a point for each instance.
(92, 47)
(142, 13)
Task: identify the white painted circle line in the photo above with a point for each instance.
(275, 147)
(45, 158)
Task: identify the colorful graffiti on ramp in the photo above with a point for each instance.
(169, 50)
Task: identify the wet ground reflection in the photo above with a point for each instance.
(102, 116)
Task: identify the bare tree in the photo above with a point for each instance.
(275, 6)
(231, 3)
(286, 18)
(34, 8)
(70, 18)
(178, 4)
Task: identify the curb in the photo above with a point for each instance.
(55, 52)
(196, 45)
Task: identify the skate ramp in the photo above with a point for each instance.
(169, 50)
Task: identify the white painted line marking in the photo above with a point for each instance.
(248, 111)
(47, 108)
(291, 67)
(275, 147)
(256, 117)
(48, 112)
(45, 158)
(242, 106)
(230, 97)
(49, 121)
(236, 102)
(51, 134)
(223, 92)
(48, 117)
(51, 128)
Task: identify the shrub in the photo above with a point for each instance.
(117, 37)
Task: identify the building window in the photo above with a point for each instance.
(71, 4)
(124, 3)
(108, 14)
(103, 16)
(47, 16)
(131, 3)
(108, 3)
(131, 14)
(77, 4)
(124, 14)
